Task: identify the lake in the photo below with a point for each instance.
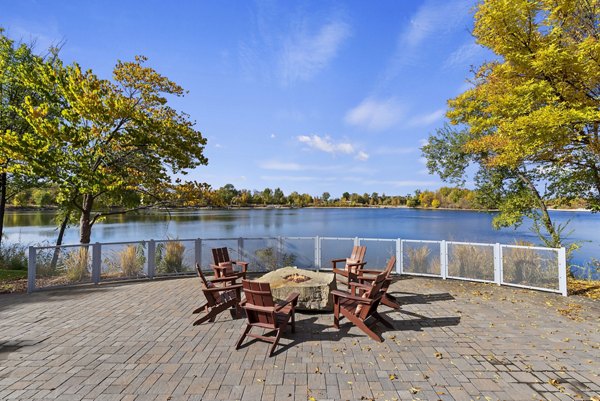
(453, 225)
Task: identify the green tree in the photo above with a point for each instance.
(326, 196)
(278, 196)
(109, 137)
(15, 59)
(530, 121)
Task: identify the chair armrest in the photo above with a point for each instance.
(243, 265)
(257, 308)
(337, 260)
(222, 289)
(360, 264)
(292, 298)
(224, 279)
(340, 272)
(359, 285)
(372, 271)
(347, 295)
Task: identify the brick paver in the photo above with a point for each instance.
(451, 341)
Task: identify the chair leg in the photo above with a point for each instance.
(387, 300)
(383, 320)
(293, 321)
(241, 340)
(363, 326)
(209, 317)
(202, 308)
(275, 342)
(336, 313)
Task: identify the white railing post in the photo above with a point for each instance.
(198, 251)
(96, 262)
(240, 250)
(399, 256)
(318, 253)
(31, 273)
(562, 271)
(279, 251)
(151, 259)
(498, 263)
(356, 241)
(444, 259)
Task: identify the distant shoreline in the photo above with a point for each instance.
(11, 208)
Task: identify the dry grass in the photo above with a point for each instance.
(76, 265)
(132, 261)
(586, 288)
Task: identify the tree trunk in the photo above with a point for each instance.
(546, 220)
(3, 183)
(85, 223)
(61, 233)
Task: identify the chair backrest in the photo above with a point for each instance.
(211, 297)
(358, 253)
(205, 282)
(375, 293)
(259, 294)
(220, 255)
(390, 265)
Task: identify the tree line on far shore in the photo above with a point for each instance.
(203, 195)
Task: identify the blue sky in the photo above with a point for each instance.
(310, 96)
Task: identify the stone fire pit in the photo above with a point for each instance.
(314, 288)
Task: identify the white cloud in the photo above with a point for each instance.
(427, 119)
(376, 115)
(273, 136)
(464, 55)
(325, 144)
(362, 156)
(304, 55)
(435, 19)
(283, 178)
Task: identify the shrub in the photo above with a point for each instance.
(172, 260)
(13, 257)
(76, 265)
(418, 259)
(267, 258)
(469, 261)
(132, 260)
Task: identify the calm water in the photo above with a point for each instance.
(39, 227)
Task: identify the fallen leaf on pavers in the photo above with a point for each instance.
(425, 376)
(414, 390)
(549, 303)
(556, 384)
(317, 370)
(440, 393)
(595, 398)
(393, 376)
(350, 383)
(312, 399)
(439, 355)
(566, 339)
(260, 380)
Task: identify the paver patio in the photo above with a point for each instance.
(452, 341)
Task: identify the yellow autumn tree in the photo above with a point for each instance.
(531, 120)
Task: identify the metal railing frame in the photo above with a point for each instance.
(96, 263)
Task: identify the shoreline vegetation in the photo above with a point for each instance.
(202, 196)
(269, 207)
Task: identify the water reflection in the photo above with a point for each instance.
(39, 227)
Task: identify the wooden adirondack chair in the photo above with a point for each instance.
(223, 266)
(263, 313)
(218, 297)
(360, 308)
(368, 276)
(352, 267)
